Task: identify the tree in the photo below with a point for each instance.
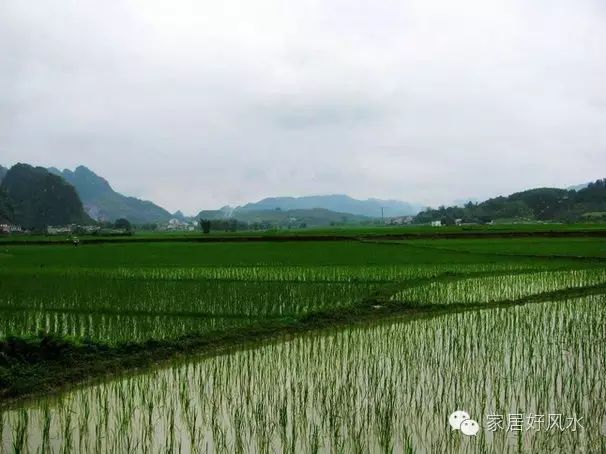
(123, 224)
(149, 226)
(6, 210)
(205, 225)
(447, 220)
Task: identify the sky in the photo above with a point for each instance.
(198, 104)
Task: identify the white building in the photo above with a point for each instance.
(399, 220)
(10, 228)
(58, 230)
(176, 224)
(436, 223)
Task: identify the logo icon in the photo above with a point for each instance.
(460, 420)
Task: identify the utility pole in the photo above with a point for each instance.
(382, 216)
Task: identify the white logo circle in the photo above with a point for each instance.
(470, 427)
(456, 418)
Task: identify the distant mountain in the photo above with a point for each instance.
(103, 203)
(578, 187)
(213, 215)
(39, 198)
(541, 204)
(337, 203)
(308, 217)
(182, 217)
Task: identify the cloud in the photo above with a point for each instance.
(197, 104)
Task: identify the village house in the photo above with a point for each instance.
(10, 228)
(399, 220)
(58, 230)
(71, 228)
(176, 225)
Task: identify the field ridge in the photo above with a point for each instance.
(44, 364)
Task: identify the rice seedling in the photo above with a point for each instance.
(388, 387)
(133, 305)
(500, 288)
(383, 388)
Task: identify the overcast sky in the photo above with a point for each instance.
(197, 104)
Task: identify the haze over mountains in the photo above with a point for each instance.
(336, 202)
(103, 203)
(34, 197)
(541, 204)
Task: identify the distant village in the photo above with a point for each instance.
(173, 225)
(123, 227)
(10, 228)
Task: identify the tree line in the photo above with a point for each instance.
(542, 204)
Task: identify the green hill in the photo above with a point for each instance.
(39, 199)
(338, 203)
(309, 217)
(315, 217)
(541, 204)
(103, 203)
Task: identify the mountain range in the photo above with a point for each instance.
(35, 197)
(102, 203)
(340, 203)
(316, 217)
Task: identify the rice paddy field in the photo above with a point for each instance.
(375, 344)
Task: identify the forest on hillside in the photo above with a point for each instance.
(542, 204)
